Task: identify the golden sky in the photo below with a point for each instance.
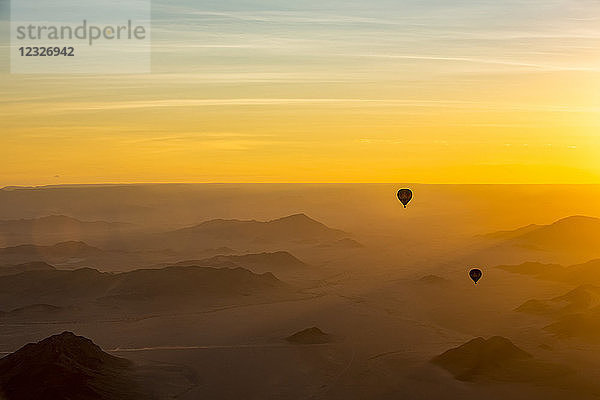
(329, 91)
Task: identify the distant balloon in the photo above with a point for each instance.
(475, 274)
(405, 196)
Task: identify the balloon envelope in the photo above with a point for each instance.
(475, 274)
(405, 196)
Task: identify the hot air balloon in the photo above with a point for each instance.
(405, 195)
(475, 274)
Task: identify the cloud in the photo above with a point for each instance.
(504, 62)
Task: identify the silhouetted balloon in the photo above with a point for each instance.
(475, 274)
(405, 195)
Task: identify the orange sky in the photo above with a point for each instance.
(461, 93)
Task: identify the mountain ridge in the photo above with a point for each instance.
(169, 286)
(573, 239)
(66, 366)
(292, 230)
(257, 262)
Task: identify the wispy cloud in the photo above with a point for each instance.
(476, 60)
(398, 105)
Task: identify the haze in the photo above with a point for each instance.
(299, 291)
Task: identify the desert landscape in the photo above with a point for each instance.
(299, 291)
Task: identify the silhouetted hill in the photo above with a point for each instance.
(296, 229)
(580, 299)
(498, 359)
(65, 366)
(55, 222)
(586, 273)
(511, 234)
(575, 314)
(56, 228)
(30, 266)
(262, 262)
(55, 254)
(80, 254)
(309, 336)
(533, 269)
(167, 286)
(581, 325)
(480, 358)
(198, 282)
(571, 239)
(535, 306)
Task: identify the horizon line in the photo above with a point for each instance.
(67, 185)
